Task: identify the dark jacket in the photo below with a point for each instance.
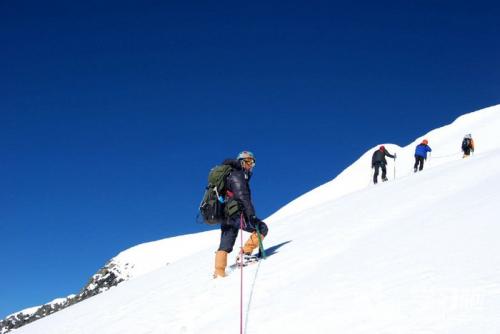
(237, 183)
(379, 155)
(421, 150)
(468, 145)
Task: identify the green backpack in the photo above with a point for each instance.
(213, 208)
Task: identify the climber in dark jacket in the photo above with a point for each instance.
(378, 161)
(238, 196)
(467, 145)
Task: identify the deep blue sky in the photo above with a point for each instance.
(112, 114)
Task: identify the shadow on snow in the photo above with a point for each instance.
(274, 249)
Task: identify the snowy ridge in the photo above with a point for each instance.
(445, 142)
(129, 264)
(147, 257)
(108, 276)
(417, 255)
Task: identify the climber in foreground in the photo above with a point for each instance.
(421, 155)
(378, 161)
(239, 210)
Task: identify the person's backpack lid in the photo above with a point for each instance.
(217, 177)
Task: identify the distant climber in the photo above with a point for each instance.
(378, 161)
(421, 155)
(467, 145)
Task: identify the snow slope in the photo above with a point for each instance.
(415, 255)
(484, 125)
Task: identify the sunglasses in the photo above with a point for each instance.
(250, 162)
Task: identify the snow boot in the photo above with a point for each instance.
(252, 243)
(220, 264)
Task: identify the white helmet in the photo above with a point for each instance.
(246, 155)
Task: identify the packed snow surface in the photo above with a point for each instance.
(418, 254)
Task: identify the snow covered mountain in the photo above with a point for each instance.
(418, 254)
(110, 275)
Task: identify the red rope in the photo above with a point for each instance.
(241, 269)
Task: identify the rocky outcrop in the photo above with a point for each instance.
(107, 277)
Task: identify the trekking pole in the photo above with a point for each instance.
(262, 251)
(394, 168)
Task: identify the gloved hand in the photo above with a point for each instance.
(254, 221)
(395, 155)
